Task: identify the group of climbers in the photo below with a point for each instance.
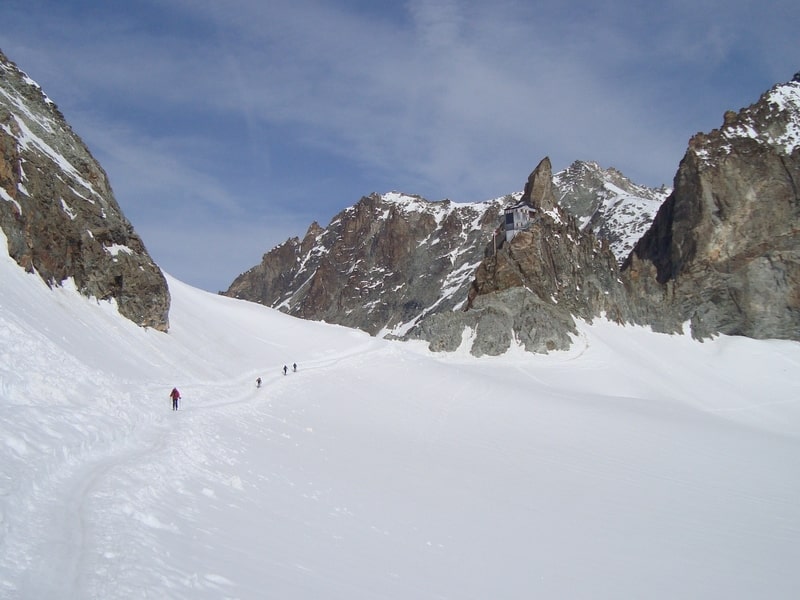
(176, 395)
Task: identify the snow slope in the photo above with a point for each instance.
(636, 465)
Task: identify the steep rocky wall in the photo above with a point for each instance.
(58, 211)
(723, 252)
(379, 265)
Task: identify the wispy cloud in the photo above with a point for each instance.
(296, 108)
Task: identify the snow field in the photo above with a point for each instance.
(634, 465)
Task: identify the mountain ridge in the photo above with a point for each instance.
(453, 239)
(662, 275)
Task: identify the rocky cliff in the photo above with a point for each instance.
(379, 266)
(59, 213)
(723, 252)
(530, 289)
(391, 260)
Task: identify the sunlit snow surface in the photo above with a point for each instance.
(635, 465)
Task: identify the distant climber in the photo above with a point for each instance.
(175, 395)
(258, 382)
(294, 367)
(285, 369)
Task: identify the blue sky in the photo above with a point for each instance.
(227, 127)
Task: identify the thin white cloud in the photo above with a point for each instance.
(246, 106)
(423, 95)
(154, 171)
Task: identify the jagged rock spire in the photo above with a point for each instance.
(539, 188)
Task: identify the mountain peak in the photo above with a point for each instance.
(774, 120)
(539, 187)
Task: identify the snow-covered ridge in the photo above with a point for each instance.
(619, 210)
(615, 208)
(439, 209)
(30, 82)
(781, 125)
(38, 129)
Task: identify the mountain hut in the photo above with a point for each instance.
(517, 217)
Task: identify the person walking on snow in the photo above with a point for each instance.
(175, 395)
(285, 369)
(258, 382)
(294, 367)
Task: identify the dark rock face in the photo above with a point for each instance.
(378, 266)
(59, 213)
(723, 252)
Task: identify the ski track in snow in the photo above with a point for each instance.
(63, 499)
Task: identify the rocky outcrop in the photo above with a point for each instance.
(529, 290)
(723, 252)
(58, 211)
